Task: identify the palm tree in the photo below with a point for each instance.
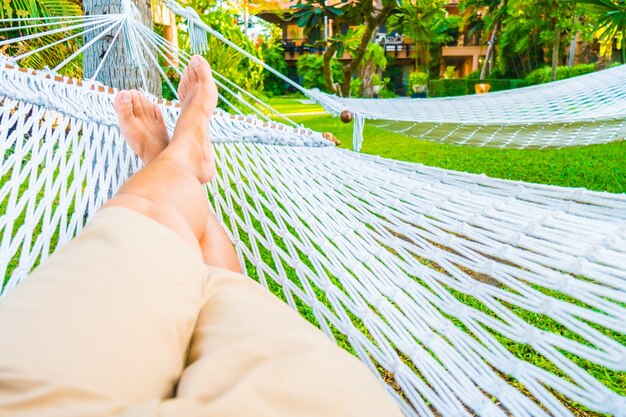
(426, 23)
(612, 21)
(41, 9)
(116, 72)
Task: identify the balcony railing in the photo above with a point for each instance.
(397, 45)
(300, 46)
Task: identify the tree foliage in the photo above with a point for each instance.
(371, 14)
(49, 57)
(222, 17)
(426, 23)
(610, 17)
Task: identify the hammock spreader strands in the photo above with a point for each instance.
(584, 110)
(437, 280)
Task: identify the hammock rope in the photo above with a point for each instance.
(585, 110)
(469, 296)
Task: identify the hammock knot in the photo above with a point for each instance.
(564, 284)
(197, 35)
(459, 311)
(473, 289)
(493, 387)
(532, 335)
(503, 251)
(461, 228)
(593, 254)
(395, 367)
(546, 307)
(516, 238)
(425, 339)
(530, 229)
(578, 194)
(610, 242)
(130, 10)
(487, 267)
(482, 405)
(579, 266)
(513, 367)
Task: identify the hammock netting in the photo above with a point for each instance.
(579, 111)
(467, 295)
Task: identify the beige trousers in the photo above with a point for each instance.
(125, 320)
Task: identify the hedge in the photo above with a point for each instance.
(544, 75)
(460, 87)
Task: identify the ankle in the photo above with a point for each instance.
(186, 155)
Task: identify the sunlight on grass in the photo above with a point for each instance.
(596, 167)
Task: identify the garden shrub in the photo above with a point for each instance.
(435, 88)
(519, 83)
(274, 55)
(310, 68)
(459, 87)
(355, 87)
(447, 88)
(539, 76)
(496, 84)
(384, 93)
(544, 75)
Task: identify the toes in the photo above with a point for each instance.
(201, 70)
(192, 76)
(158, 115)
(146, 105)
(123, 104)
(156, 111)
(136, 100)
(183, 86)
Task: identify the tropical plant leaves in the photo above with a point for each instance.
(49, 57)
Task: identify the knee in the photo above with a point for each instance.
(164, 214)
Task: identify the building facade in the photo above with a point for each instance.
(458, 58)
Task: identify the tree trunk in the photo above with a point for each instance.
(118, 71)
(573, 43)
(492, 44)
(328, 55)
(379, 14)
(555, 50)
(366, 72)
(572, 50)
(350, 69)
(623, 44)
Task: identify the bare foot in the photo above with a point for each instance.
(198, 97)
(141, 124)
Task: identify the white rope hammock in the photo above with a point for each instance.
(467, 295)
(585, 110)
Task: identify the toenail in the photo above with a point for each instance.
(196, 61)
(125, 97)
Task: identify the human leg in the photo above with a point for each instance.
(108, 317)
(144, 130)
(252, 355)
(170, 188)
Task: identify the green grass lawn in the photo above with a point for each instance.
(597, 167)
(289, 105)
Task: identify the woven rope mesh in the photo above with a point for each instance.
(466, 295)
(580, 111)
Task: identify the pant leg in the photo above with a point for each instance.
(251, 355)
(103, 324)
